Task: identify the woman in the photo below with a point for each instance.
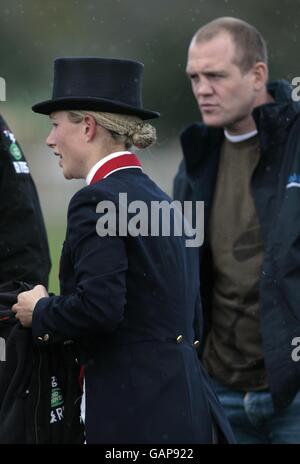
(128, 298)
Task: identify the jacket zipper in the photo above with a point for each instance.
(38, 399)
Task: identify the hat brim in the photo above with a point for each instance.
(91, 104)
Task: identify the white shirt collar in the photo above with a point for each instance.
(240, 137)
(100, 163)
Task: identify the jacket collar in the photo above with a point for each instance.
(199, 141)
(273, 119)
(112, 163)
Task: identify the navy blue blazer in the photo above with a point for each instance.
(132, 304)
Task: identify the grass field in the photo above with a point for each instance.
(56, 235)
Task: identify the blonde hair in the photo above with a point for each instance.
(126, 129)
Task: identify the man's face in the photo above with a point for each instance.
(225, 96)
(66, 140)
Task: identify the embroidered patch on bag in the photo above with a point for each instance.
(21, 167)
(57, 402)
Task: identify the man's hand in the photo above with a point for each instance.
(26, 303)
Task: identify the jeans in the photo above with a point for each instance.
(253, 419)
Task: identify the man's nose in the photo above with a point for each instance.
(203, 88)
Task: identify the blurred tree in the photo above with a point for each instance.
(34, 32)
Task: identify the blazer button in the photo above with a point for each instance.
(196, 344)
(46, 338)
(179, 339)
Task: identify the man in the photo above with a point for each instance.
(24, 252)
(24, 262)
(124, 298)
(243, 161)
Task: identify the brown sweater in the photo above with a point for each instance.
(233, 352)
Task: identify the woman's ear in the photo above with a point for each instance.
(90, 127)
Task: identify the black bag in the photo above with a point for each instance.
(40, 393)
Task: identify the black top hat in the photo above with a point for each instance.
(97, 84)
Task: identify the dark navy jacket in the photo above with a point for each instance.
(24, 252)
(131, 303)
(275, 188)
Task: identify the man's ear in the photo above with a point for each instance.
(90, 127)
(261, 75)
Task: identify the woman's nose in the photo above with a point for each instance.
(50, 140)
